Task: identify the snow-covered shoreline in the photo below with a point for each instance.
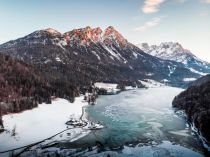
(40, 123)
(35, 125)
(191, 125)
(148, 83)
(111, 88)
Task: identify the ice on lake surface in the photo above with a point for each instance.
(139, 122)
(143, 117)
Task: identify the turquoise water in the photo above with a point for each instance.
(142, 123)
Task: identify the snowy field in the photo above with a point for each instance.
(111, 86)
(148, 83)
(39, 123)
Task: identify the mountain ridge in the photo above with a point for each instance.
(101, 54)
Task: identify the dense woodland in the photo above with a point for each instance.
(195, 101)
(22, 87)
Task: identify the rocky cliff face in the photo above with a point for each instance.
(195, 101)
(91, 54)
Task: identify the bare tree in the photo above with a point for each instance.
(1, 121)
(14, 131)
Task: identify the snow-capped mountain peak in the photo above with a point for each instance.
(52, 31)
(83, 36)
(175, 52)
(76, 37)
(44, 33)
(165, 49)
(88, 35)
(111, 34)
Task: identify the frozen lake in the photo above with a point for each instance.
(142, 122)
(139, 122)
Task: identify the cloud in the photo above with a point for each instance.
(206, 1)
(152, 23)
(152, 6)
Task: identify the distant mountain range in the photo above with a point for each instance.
(90, 54)
(175, 52)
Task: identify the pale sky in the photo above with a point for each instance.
(151, 21)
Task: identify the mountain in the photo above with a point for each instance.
(195, 102)
(174, 51)
(90, 54)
